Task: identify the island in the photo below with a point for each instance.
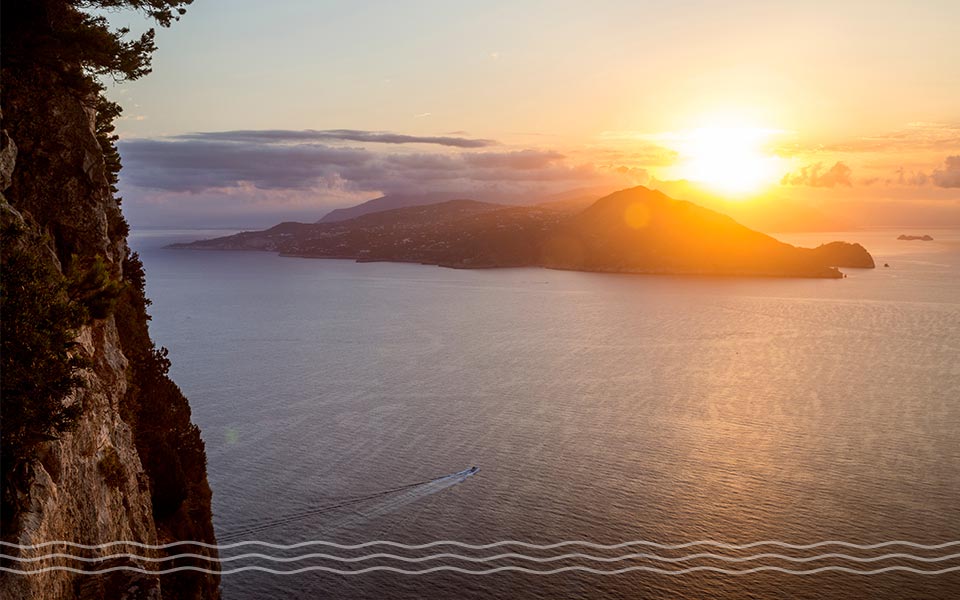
(910, 238)
(637, 230)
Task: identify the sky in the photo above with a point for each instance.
(260, 112)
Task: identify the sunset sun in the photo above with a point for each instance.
(730, 160)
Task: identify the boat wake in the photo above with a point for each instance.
(358, 509)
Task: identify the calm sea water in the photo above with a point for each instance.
(598, 407)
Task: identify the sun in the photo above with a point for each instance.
(731, 160)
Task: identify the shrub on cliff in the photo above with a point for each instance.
(169, 444)
(40, 360)
(93, 286)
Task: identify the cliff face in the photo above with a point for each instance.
(88, 486)
(132, 465)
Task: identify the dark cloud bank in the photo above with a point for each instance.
(270, 136)
(266, 160)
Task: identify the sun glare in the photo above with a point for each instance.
(730, 160)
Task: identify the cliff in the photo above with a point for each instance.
(98, 445)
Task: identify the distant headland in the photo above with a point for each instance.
(636, 230)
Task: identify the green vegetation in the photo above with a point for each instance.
(94, 287)
(169, 444)
(40, 359)
(107, 113)
(69, 46)
(59, 34)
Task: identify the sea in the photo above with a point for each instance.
(635, 436)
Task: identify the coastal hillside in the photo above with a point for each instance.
(98, 443)
(637, 230)
(642, 230)
(570, 200)
(380, 204)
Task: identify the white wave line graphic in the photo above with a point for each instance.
(481, 559)
(486, 571)
(488, 546)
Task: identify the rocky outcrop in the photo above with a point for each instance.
(91, 483)
(8, 158)
(87, 486)
(843, 254)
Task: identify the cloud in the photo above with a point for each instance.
(186, 164)
(815, 176)
(521, 159)
(915, 137)
(241, 207)
(195, 166)
(904, 177)
(946, 177)
(286, 136)
(637, 175)
(632, 147)
(949, 175)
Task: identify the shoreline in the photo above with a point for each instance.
(836, 274)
